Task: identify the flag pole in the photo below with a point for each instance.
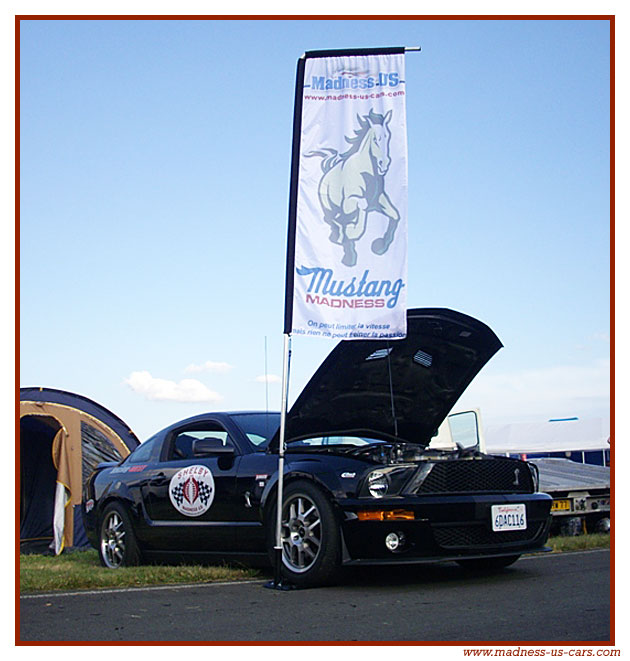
(286, 361)
(288, 315)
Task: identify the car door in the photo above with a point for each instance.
(190, 499)
(255, 470)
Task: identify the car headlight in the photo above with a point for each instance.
(378, 484)
(386, 481)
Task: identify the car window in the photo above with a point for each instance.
(258, 427)
(181, 446)
(143, 453)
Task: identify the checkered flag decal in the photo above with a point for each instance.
(205, 491)
(178, 494)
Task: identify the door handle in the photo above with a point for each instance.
(158, 480)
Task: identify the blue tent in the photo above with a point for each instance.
(63, 436)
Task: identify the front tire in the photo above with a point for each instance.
(117, 540)
(488, 564)
(310, 536)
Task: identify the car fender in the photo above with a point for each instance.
(120, 492)
(315, 472)
(326, 479)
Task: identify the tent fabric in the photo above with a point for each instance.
(558, 436)
(62, 499)
(38, 475)
(85, 433)
(80, 536)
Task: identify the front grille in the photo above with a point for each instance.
(496, 475)
(480, 535)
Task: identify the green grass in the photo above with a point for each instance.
(81, 570)
(580, 542)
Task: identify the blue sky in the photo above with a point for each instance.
(154, 191)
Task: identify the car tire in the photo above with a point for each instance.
(488, 564)
(311, 538)
(117, 545)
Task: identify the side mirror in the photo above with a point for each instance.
(211, 447)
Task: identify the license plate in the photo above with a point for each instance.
(508, 517)
(560, 505)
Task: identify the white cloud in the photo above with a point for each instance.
(594, 342)
(210, 366)
(268, 378)
(187, 390)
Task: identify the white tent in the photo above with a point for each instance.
(572, 435)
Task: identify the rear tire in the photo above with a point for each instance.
(117, 540)
(311, 539)
(488, 564)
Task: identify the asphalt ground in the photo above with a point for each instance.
(553, 597)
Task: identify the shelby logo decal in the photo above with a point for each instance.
(192, 490)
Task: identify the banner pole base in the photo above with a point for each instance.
(277, 583)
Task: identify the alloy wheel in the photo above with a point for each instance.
(113, 541)
(301, 533)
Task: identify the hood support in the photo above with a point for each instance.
(391, 389)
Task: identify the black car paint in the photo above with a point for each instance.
(396, 400)
(235, 521)
(236, 524)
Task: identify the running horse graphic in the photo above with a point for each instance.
(353, 185)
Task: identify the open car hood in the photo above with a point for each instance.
(394, 389)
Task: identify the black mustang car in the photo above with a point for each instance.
(361, 484)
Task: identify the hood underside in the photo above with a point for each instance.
(394, 389)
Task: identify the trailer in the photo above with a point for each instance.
(580, 492)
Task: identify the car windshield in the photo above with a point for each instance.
(327, 441)
(258, 427)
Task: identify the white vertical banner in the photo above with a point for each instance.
(350, 265)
